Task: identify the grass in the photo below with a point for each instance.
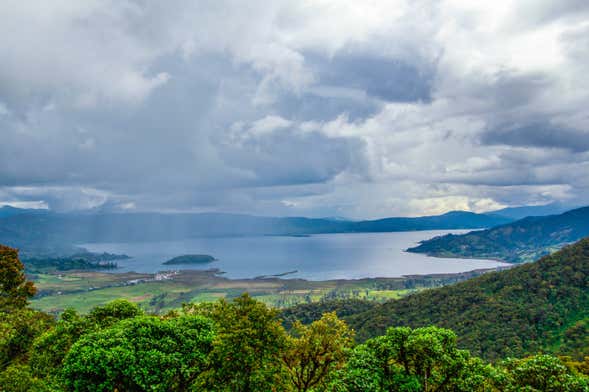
(84, 290)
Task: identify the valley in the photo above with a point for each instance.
(164, 291)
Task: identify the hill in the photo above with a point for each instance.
(447, 221)
(523, 240)
(542, 306)
(541, 210)
(6, 211)
(190, 259)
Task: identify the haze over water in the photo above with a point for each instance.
(318, 257)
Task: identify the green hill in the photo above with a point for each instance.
(523, 240)
(542, 306)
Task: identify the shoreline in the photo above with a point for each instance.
(168, 290)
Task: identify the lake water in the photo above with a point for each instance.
(317, 257)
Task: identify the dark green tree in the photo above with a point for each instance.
(15, 289)
(18, 329)
(140, 354)
(114, 311)
(423, 359)
(50, 349)
(538, 373)
(19, 378)
(247, 349)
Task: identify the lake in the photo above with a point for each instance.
(317, 257)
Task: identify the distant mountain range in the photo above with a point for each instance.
(6, 211)
(541, 306)
(522, 240)
(541, 210)
(47, 230)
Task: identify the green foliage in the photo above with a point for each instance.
(424, 359)
(246, 351)
(18, 329)
(540, 373)
(521, 311)
(315, 351)
(15, 290)
(576, 339)
(113, 311)
(307, 313)
(241, 345)
(581, 367)
(140, 354)
(19, 378)
(50, 349)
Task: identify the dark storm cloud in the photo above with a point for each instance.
(327, 108)
(539, 135)
(290, 157)
(383, 78)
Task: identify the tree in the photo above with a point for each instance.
(50, 348)
(140, 354)
(15, 289)
(18, 329)
(423, 359)
(538, 373)
(316, 350)
(247, 347)
(578, 366)
(112, 312)
(362, 373)
(18, 378)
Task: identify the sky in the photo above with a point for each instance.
(357, 109)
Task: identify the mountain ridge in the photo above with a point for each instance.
(519, 241)
(540, 306)
(65, 229)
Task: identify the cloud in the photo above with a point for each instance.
(540, 135)
(360, 109)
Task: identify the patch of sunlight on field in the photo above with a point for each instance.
(207, 297)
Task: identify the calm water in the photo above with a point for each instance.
(318, 257)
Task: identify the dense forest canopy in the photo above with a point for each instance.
(540, 306)
(242, 345)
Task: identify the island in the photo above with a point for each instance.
(190, 259)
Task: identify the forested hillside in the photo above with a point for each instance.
(523, 240)
(241, 345)
(541, 306)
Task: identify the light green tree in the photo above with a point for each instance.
(315, 351)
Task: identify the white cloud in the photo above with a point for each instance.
(323, 107)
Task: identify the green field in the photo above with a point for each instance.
(83, 290)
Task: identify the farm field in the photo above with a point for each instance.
(161, 292)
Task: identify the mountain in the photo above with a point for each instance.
(48, 230)
(6, 211)
(525, 211)
(523, 240)
(541, 306)
(450, 220)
